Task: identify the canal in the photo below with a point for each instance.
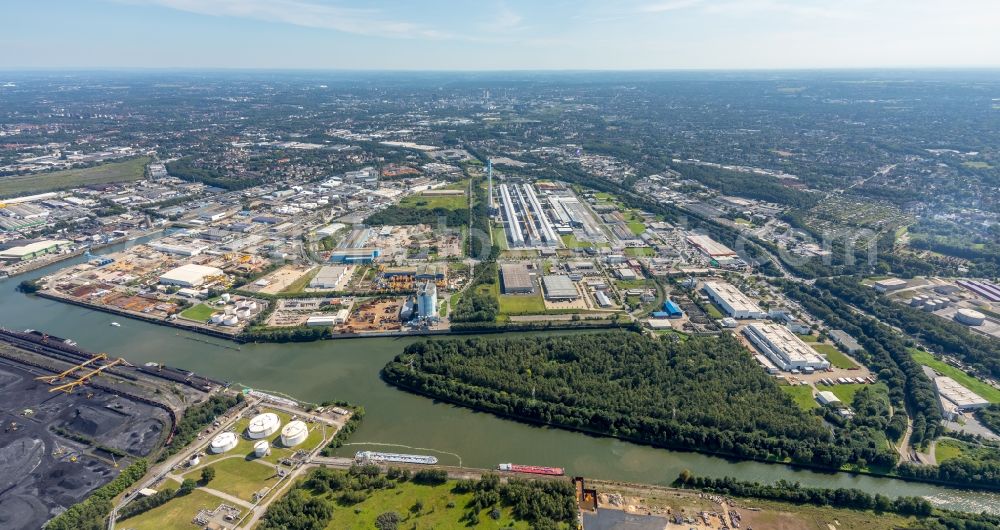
(396, 420)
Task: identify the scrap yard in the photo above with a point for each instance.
(73, 419)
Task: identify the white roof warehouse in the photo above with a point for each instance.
(190, 275)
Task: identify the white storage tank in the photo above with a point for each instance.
(261, 449)
(252, 305)
(230, 320)
(263, 425)
(217, 318)
(970, 317)
(226, 297)
(243, 313)
(294, 433)
(223, 442)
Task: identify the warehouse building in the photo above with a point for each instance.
(190, 275)
(711, 248)
(732, 301)
(845, 341)
(889, 285)
(328, 277)
(33, 250)
(963, 398)
(783, 348)
(516, 278)
(559, 287)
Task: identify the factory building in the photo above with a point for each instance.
(427, 301)
(783, 348)
(328, 277)
(33, 250)
(190, 275)
(180, 249)
(355, 255)
(559, 287)
(733, 301)
(527, 224)
(516, 278)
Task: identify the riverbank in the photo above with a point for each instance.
(407, 421)
(676, 447)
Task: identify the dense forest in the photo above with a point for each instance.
(758, 187)
(704, 394)
(980, 352)
(188, 169)
(402, 215)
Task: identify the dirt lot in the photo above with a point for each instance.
(282, 278)
(376, 315)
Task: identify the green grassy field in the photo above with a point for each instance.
(500, 238)
(570, 241)
(198, 313)
(808, 338)
(238, 477)
(519, 304)
(640, 252)
(984, 390)
(713, 311)
(635, 223)
(802, 395)
(946, 450)
(448, 202)
(435, 514)
(835, 356)
(976, 164)
(846, 392)
(126, 171)
(174, 515)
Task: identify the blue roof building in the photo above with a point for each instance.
(671, 308)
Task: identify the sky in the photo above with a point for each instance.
(498, 34)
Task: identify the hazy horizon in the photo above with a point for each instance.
(501, 35)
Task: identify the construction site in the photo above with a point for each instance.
(72, 419)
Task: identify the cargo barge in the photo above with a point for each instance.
(375, 456)
(535, 470)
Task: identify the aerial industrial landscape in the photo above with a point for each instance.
(603, 299)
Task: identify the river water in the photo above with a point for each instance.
(396, 420)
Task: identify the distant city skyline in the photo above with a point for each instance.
(499, 34)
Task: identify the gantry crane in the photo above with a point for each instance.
(61, 376)
(69, 387)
